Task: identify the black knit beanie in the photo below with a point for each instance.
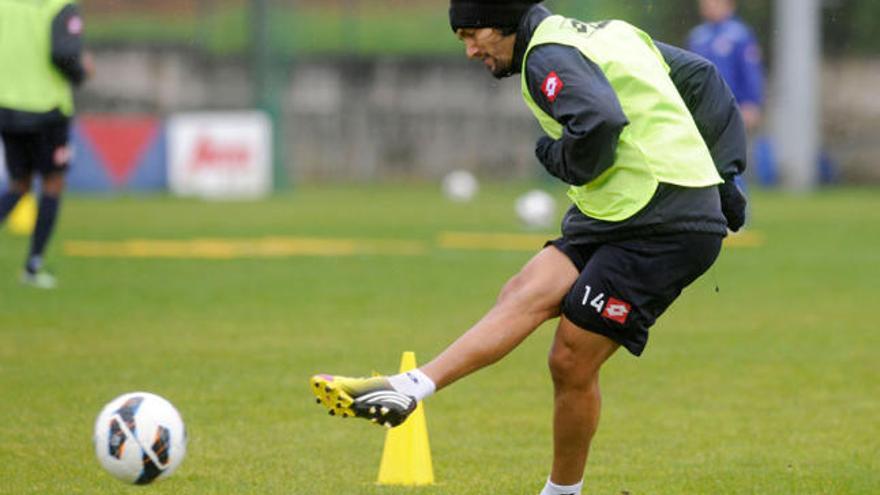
(502, 14)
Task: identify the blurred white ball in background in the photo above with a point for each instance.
(536, 209)
(460, 186)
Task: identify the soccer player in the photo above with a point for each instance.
(725, 40)
(42, 59)
(649, 138)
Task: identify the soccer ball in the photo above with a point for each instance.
(536, 209)
(460, 186)
(140, 438)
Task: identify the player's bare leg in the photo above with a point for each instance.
(50, 198)
(575, 359)
(530, 298)
(53, 184)
(17, 189)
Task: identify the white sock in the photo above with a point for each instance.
(553, 489)
(414, 383)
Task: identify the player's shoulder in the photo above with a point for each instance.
(551, 51)
(681, 58)
(700, 35)
(553, 56)
(736, 30)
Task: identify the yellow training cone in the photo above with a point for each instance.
(24, 216)
(406, 459)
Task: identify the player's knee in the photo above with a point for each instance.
(562, 364)
(20, 186)
(569, 370)
(510, 288)
(528, 295)
(53, 185)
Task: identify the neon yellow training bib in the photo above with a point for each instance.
(30, 81)
(661, 142)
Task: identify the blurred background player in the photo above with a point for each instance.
(42, 57)
(726, 41)
(729, 43)
(611, 102)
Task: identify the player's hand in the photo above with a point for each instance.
(88, 62)
(542, 147)
(733, 204)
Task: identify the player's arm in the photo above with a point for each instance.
(750, 66)
(714, 109)
(583, 101)
(67, 44)
(712, 105)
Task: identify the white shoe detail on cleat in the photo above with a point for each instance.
(396, 398)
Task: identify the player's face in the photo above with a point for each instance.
(491, 47)
(716, 10)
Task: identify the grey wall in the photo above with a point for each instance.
(344, 119)
(386, 118)
(392, 118)
(851, 117)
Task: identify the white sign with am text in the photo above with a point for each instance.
(220, 155)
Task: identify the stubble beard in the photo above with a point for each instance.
(501, 71)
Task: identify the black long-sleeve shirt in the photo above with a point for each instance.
(713, 106)
(589, 111)
(592, 118)
(67, 44)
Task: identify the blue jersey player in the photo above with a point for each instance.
(725, 40)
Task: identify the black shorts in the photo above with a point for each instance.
(625, 286)
(45, 151)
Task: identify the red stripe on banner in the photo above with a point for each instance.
(119, 141)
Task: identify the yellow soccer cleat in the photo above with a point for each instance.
(369, 398)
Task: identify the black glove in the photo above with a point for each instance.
(542, 148)
(733, 204)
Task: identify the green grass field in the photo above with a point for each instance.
(770, 386)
